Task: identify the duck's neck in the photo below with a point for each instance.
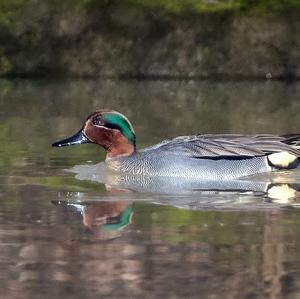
(119, 148)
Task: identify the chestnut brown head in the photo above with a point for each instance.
(107, 128)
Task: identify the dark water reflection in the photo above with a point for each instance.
(67, 237)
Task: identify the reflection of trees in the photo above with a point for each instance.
(274, 256)
(215, 254)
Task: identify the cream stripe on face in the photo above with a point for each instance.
(282, 159)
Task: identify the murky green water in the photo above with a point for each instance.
(66, 235)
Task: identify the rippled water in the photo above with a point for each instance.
(83, 234)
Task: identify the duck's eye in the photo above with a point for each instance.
(98, 121)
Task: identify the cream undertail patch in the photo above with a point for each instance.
(283, 160)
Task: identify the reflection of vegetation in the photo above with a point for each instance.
(11, 151)
(195, 225)
(68, 184)
(61, 183)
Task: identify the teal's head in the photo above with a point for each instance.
(115, 121)
(119, 222)
(107, 128)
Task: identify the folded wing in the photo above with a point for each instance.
(229, 145)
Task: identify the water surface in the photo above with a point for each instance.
(75, 235)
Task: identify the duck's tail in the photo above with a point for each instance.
(287, 159)
(292, 139)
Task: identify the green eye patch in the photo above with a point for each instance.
(115, 121)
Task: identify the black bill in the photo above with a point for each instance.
(77, 138)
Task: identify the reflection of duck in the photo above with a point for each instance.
(161, 184)
(109, 216)
(105, 218)
(188, 192)
(212, 157)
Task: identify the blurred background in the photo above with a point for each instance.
(151, 38)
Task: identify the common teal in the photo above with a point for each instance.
(104, 219)
(205, 157)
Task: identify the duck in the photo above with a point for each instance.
(203, 156)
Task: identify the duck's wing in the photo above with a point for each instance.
(233, 145)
